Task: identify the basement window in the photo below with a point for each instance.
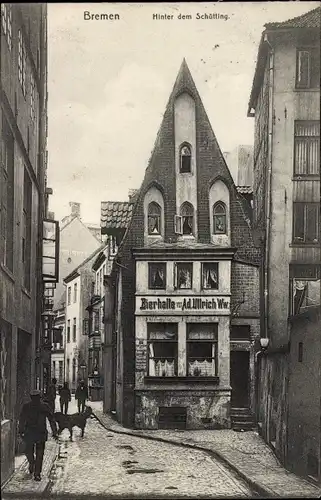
(173, 417)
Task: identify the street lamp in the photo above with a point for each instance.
(264, 342)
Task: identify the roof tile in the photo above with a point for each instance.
(115, 214)
(309, 20)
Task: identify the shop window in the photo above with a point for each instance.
(183, 275)
(185, 158)
(154, 218)
(187, 214)
(157, 275)
(162, 349)
(306, 223)
(210, 275)
(306, 148)
(202, 350)
(219, 218)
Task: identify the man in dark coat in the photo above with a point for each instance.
(81, 395)
(33, 429)
(51, 394)
(65, 398)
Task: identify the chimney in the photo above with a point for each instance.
(75, 208)
(132, 195)
(51, 215)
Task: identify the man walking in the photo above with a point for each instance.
(51, 394)
(81, 395)
(33, 429)
(65, 398)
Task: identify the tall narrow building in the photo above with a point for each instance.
(24, 199)
(285, 101)
(186, 283)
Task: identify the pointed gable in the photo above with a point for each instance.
(211, 166)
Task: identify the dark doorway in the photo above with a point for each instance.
(23, 373)
(239, 370)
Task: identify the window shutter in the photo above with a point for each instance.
(178, 224)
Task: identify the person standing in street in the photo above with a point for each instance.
(65, 398)
(33, 430)
(51, 394)
(81, 395)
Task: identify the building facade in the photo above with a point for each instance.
(79, 290)
(186, 281)
(24, 201)
(285, 101)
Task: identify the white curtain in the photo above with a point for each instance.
(151, 368)
(201, 368)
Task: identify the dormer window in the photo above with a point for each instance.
(154, 219)
(219, 218)
(185, 158)
(187, 214)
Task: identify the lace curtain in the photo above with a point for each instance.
(201, 368)
(160, 367)
(184, 278)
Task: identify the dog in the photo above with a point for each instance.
(73, 420)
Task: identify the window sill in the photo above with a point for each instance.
(312, 89)
(304, 245)
(177, 379)
(8, 272)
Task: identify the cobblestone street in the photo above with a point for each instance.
(106, 463)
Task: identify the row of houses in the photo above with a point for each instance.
(29, 236)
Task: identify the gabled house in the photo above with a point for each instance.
(185, 283)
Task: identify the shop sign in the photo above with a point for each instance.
(183, 304)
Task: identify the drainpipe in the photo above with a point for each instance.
(268, 190)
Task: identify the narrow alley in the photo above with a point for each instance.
(106, 463)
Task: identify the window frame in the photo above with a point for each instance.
(213, 342)
(177, 265)
(26, 243)
(181, 148)
(305, 273)
(68, 331)
(188, 205)
(223, 215)
(75, 292)
(307, 139)
(74, 330)
(162, 341)
(69, 295)
(297, 72)
(22, 62)
(150, 268)
(202, 275)
(306, 206)
(158, 216)
(7, 197)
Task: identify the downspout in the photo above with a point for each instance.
(268, 190)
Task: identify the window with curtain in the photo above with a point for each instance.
(305, 288)
(157, 275)
(184, 275)
(162, 349)
(306, 223)
(187, 214)
(185, 158)
(306, 148)
(210, 275)
(202, 349)
(154, 218)
(219, 218)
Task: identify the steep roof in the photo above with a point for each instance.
(78, 268)
(115, 214)
(310, 19)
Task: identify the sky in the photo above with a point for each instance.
(109, 82)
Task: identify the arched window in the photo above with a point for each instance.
(185, 158)
(187, 213)
(154, 218)
(219, 218)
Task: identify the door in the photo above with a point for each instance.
(239, 372)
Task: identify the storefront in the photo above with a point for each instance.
(182, 325)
